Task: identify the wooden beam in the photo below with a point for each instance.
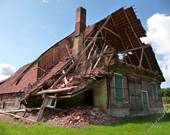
(43, 106)
(72, 94)
(122, 42)
(101, 54)
(55, 90)
(62, 76)
(137, 39)
(127, 35)
(16, 116)
(95, 37)
(111, 31)
(141, 57)
(134, 49)
(90, 52)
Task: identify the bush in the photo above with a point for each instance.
(166, 100)
(165, 92)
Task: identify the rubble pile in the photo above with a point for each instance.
(79, 116)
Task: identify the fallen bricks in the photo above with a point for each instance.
(71, 117)
(78, 117)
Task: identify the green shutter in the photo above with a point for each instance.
(118, 87)
(154, 91)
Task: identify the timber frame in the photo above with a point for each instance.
(97, 58)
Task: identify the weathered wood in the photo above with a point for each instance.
(65, 78)
(110, 58)
(141, 57)
(13, 111)
(55, 90)
(62, 76)
(43, 106)
(134, 49)
(149, 64)
(93, 40)
(68, 51)
(131, 44)
(72, 94)
(95, 36)
(34, 90)
(122, 42)
(90, 52)
(100, 57)
(16, 116)
(111, 31)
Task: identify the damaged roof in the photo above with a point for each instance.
(119, 32)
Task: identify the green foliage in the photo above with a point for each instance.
(166, 100)
(165, 92)
(130, 126)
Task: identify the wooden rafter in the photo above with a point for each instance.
(100, 56)
(134, 49)
(137, 39)
(131, 45)
(122, 42)
(141, 57)
(106, 28)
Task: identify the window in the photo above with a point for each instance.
(154, 91)
(118, 87)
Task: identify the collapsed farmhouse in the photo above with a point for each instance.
(103, 65)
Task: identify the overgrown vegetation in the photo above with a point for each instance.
(130, 126)
(165, 95)
(165, 92)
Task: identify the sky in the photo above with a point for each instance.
(29, 27)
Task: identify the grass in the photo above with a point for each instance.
(130, 126)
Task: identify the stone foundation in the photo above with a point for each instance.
(119, 112)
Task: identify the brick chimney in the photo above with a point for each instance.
(79, 30)
(80, 20)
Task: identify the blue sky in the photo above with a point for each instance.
(29, 27)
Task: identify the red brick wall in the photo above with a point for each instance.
(52, 56)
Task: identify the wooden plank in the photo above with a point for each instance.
(131, 44)
(149, 64)
(73, 94)
(95, 36)
(55, 90)
(62, 76)
(13, 111)
(43, 106)
(16, 116)
(92, 48)
(134, 49)
(100, 57)
(141, 57)
(122, 42)
(111, 31)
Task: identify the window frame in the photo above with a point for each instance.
(117, 98)
(155, 95)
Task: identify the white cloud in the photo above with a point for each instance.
(158, 35)
(45, 1)
(6, 70)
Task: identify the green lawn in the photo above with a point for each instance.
(130, 126)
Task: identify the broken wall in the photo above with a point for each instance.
(10, 101)
(100, 94)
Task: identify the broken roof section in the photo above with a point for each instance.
(98, 47)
